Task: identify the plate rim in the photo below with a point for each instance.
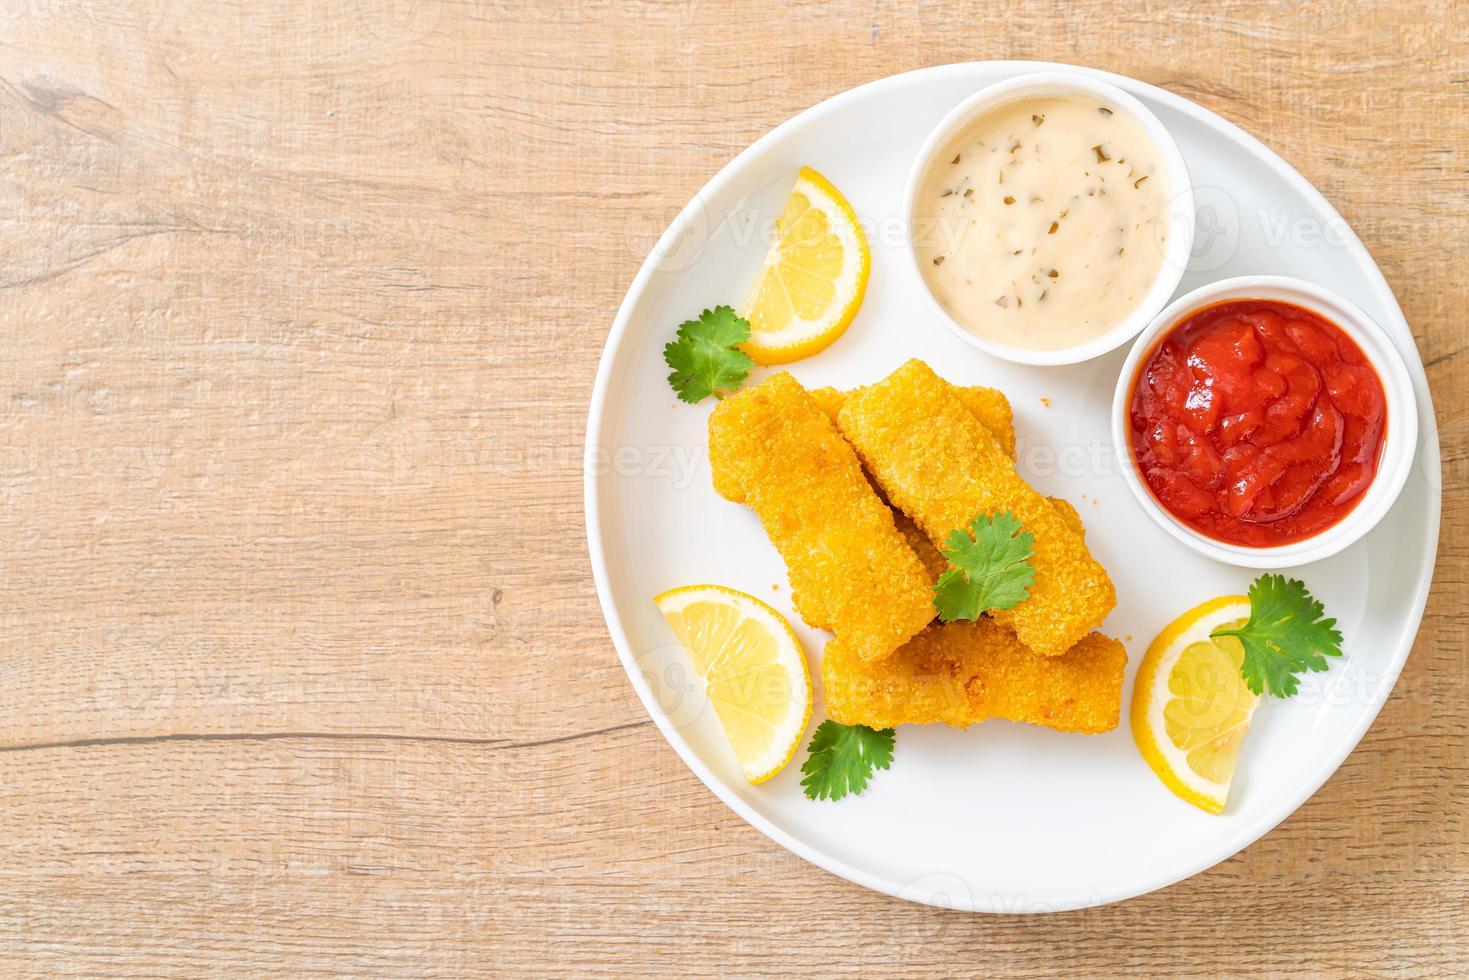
(596, 420)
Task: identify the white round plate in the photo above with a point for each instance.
(1001, 817)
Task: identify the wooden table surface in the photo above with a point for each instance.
(303, 669)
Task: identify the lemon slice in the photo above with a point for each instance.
(1190, 707)
(753, 669)
(814, 275)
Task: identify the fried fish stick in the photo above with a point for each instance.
(851, 572)
(936, 463)
(960, 673)
(989, 405)
(992, 409)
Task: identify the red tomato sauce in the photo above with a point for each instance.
(1257, 423)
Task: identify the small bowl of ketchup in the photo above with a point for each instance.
(1268, 422)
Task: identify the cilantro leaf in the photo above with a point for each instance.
(991, 568)
(842, 759)
(704, 358)
(1285, 635)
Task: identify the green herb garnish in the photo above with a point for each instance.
(842, 759)
(1285, 635)
(704, 358)
(991, 568)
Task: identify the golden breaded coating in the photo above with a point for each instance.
(1068, 513)
(829, 400)
(936, 463)
(989, 405)
(960, 673)
(851, 572)
(933, 560)
(992, 408)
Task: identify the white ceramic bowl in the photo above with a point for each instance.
(1399, 441)
(1177, 217)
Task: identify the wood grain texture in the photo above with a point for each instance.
(303, 670)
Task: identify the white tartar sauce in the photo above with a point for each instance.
(1038, 226)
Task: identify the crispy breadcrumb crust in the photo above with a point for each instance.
(938, 464)
(851, 572)
(989, 405)
(961, 673)
(934, 563)
(992, 409)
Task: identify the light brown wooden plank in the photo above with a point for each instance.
(301, 305)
